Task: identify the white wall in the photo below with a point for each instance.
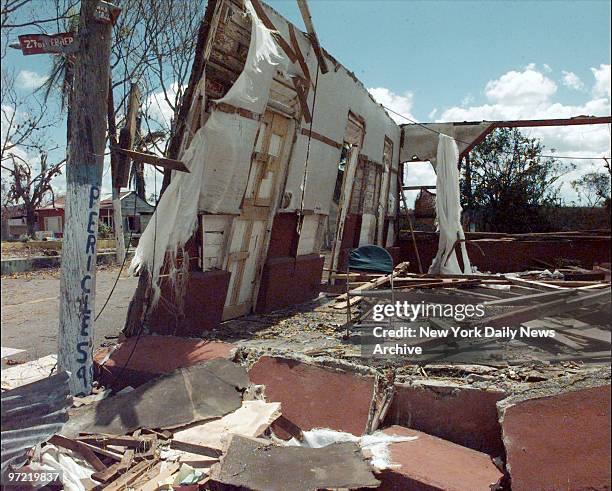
(337, 92)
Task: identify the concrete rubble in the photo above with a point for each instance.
(298, 422)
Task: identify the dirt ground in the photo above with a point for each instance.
(30, 309)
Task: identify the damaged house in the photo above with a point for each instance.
(286, 151)
(281, 156)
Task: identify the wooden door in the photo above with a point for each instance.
(247, 251)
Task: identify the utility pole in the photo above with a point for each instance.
(88, 102)
(116, 192)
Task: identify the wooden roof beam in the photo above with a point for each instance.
(151, 159)
(305, 11)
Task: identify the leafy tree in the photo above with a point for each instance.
(593, 188)
(511, 183)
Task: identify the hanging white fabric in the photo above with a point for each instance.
(218, 159)
(448, 211)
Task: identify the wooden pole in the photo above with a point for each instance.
(414, 242)
(117, 216)
(468, 190)
(88, 103)
(344, 205)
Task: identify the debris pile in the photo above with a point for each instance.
(304, 423)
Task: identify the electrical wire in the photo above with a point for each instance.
(141, 330)
(127, 250)
(305, 176)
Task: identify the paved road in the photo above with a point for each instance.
(30, 310)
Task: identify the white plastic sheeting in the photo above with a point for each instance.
(448, 211)
(219, 156)
(75, 471)
(377, 444)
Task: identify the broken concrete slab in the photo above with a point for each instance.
(29, 372)
(557, 434)
(313, 396)
(432, 464)
(258, 465)
(461, 414)
(138, 360)
(205, 391)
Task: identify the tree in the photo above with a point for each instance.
(511, 183)
(27, 172)
(593, 188)
(153, 45)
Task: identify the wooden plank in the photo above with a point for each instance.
(533, 283)
(341, 301)
(104, 440)
(261, 13)
(301, 92)
(555, 307)
(131, 475)
(196, 449)
(127, 137)
(151, 484)
(148, 158)
(531, 298)
(305, 11)
(110, 473)
(229, 109)
(298, 53)
(322, 138)
(79, 448)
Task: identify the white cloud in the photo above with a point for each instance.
(602, 81)
(528, 95)
(158, 108)
(400, 103)
(571, 80)
(516, 88)
(29, 80)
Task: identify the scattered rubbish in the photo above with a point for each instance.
(6, 352)
(75, 472)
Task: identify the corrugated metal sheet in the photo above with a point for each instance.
(31, 414)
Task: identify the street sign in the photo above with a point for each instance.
(35, 44)
(106, 12)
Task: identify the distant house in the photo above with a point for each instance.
(135, 212)
(13, 222)
(51, 217)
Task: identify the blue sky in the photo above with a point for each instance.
(443, 52)
(462, 60)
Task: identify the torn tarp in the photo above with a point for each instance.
(218, 158)
(448, 211)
